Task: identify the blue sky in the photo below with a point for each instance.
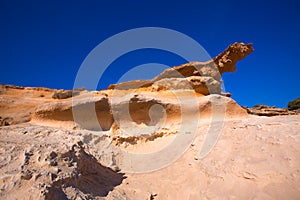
(43, 43)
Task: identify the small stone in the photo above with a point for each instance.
(28, 154)
(27, 175)
(53, 163)
(53, 176)
(152, 196)
(53, 155)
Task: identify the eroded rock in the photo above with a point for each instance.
(294, 104)
(200, 84)
(264, 110)
(213, 69)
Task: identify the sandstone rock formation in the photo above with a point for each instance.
(264, 110)
(200, 84)
(212, 70)
(18, 104)
(254, 158)
(201, 78)
(173, 137)
(224, 62)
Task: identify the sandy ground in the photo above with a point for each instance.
(254, 158)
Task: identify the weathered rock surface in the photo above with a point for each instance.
(264, 110)
(40, 162)
(200, 84)
(224, 62)
(62, 94)
(214, 68)
(105, 110)
(18, 104)
(255, 157)
(294, 105)
(173, 137)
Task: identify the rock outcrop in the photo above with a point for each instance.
(294, 105)
(264, 110)
(200, 84)
(224, 62)
(212, 69)
(170, 90)
(176, 130)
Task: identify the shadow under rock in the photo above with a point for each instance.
(89, 180)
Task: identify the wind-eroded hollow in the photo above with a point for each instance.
(87, 113)
(149, 112)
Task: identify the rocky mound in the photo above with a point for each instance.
(18, 104)
(175, 136)
(130, 103)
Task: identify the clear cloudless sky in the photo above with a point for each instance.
(43, 43)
